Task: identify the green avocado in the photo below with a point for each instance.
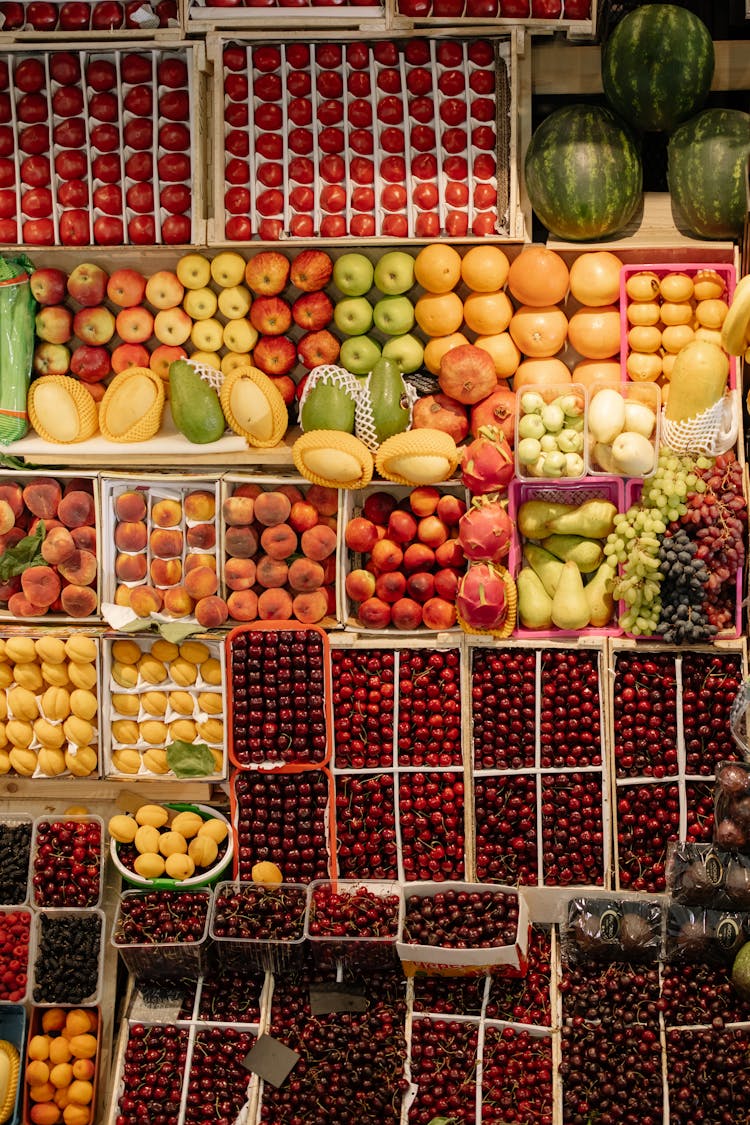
(327, 407)
(196, 410)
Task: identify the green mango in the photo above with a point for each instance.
(327, 407)
(195, 406)
(385, 393)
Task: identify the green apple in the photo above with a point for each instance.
(352, 274)
(394, 315)
(359, 354)
(394, 272)
(405, 351)
(353, 316)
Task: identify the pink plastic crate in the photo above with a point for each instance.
(560, 492)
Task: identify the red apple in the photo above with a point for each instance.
(301, 226)
(238, 228)
(108, 198)
(454, 140)
(174, 167)
(175, 105)
(139, 166)
(392, 139)
(395, 226)
(362, 226)
(140, 100)
(37, 232)
(361, 170)
(328, 55)
(108, 230)
(67, 101)
(91, 364)
(271, 316)
(417, 52)
(275, 355)
(269, 202)
(484, 137)
(266, 59)
(104, 107)
(107, 15)
(300, 141)
(315, 348)
(302, 198)
(358, 84)
(237, 201)
(32, 108)
(54, 323)
(419, 81)
(393, 169)
(106, 138)
(427, 224)
(48, 285)
(270, 230)
(177, 230)
(70, 133)
(139, 197)
(174, 136)
(34, 139)
(363, 199)
(333, 198)
(331, 139)
(101, 74)
(298, 55)
(71, 164)
(267, 88)
(298, 84)
(423, 138)
(333, 226)
(484, 223)
(126, 287)
(74, 227)
(172, 71)
(425, 196)
(106, 167)
(236, 115)
(330, 84)
(456, 167)
(269, 173)
(393, 197)
(135, 67)
(312, 311)
(330, 112)
(73, 193)
(35, 171)
(268, 117)
(456, 224)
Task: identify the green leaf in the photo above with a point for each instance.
(26, 553)
(442, 1121)
(178, 631)
(188, 759)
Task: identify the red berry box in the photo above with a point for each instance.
(258, 926)
(77, 17)
(15, 954)
(353, 923)
(98, 147)
(152, 947)
(67, 862)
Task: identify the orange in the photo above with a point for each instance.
(676, 287)
(595, 278)
(674, 312)
(488, 313)
(646, 339)
(594, 372)
(436, 348)
(676, 336)
(539, 331)
(644, 312)
(437, 267)
(439, 314)
(642, 367)
(642, 286)
(595, 332)
(505, 354)
(485, 268)
(538, 277)
(549, 372)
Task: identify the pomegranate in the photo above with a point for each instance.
(498, 409)
(441, 412)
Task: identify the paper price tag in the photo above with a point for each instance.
(271, 1060)
(333, 997)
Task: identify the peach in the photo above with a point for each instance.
(200, 505)
(177, 602)
(375, 613)
(201, 535)
(305, 575)
(145, 600)
(325, 500)
(302, 515)
(238, 510)
(446, 583)
(292, 493)
(360, 535)
(246, 488)
(85, 538)
(272, 508)
(420, 586)
(165, 572)
(210, 612)
(359, 585)
(450, 509)
(437, 613)
(279, 541)
(330, 568)
(131, 535)
(15, 535)
(241, 542)
(166, 513)
(12, 586)
(57, 546)
(78, 484)
(239, 574)
(20, 606)
(131, 568)
(40, 584)
(47, 524)
(201, 582)
(243, 605)
(12, 494)
(390, 586)
(275, 605)
(330, 521)
(42, 497)
(406, 614)
(424, 500)
(80, 568)
(310, 607)
(270, 573)
(122, 595)
(386, 555)
(76, 509)
(432, 531)
(199, 558)
(318, 542)
(166, 544)
(130, 506)
(377, 507)
(402, 527)
(418, 556)
(449, 553)
(7, 517)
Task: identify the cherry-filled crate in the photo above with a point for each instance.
(398, 760)
(100, 146)
(399, 138)
(668, 730)
(541, 802)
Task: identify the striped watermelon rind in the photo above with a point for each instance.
(657, 66)
(583, 173)
(707, 172)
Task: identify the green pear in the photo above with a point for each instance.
(535, 517)
(594, 519)
(741, 970)
(570, 609)
(587, 554)
(599, 598)
(534, 603)
(545, 565)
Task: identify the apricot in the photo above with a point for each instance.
(203, 851)
(166, 543)
(81, 649)
(81, 760)
(218, 830)
(275, 605)
(57, 546)
(126, 760)
(166, 513)
(182, 702)
(85, 538)
(37, 1072)
(155, 760)
(183, 672)
(179, 866)
(83, 1068)
(177, 602)
(270, 573)
(165, 572)
(201, 582)
(82, 703)
(78, 601)
(131, 536)
(59, 1051)
(130, 505)
(41, 584)
(311, 606)
(22, 703)
(45, 1113)
(145, 600)
(122, 595)
(237, 511)
(182, 730)
(211, 612)
(241, 542)
(239, 574)
(41, 1092)
(164, 650)
(210, 703)
(42, 497)
(279, 541)
(12, 494)
(61, 1075)
(76, 509)
(318, 542)
(200, 505)
(211, 672)
(80, 1092)
(243, 605)
(39, 1045)
(201, 536)
(153, 731)
(272, 508)
(154, 703)
(79, 569)
(325, 500)
(305, 575)
(83, 675)
(125, 650)
(80, 1020)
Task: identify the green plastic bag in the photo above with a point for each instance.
(17, 313)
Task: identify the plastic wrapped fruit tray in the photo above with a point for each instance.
(99, 146)
(85, 19)
(396, 139)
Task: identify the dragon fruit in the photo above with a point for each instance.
(481, 598)
(487, 462)
(485, 530)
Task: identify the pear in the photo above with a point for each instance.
(545, 565)
(534, 603)
(536, 516)
(587, 554)
(570, 609)
(600, 601)
(594, 519)
(741, 970)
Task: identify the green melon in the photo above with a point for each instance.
(657, 66)
(708, 172)
(583, 173)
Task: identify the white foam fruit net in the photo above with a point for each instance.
(208, 374)
(364, 419)
(336, 376)
(711, 432)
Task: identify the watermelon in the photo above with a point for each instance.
(657, 66)
(707, 172)
(583, 173)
